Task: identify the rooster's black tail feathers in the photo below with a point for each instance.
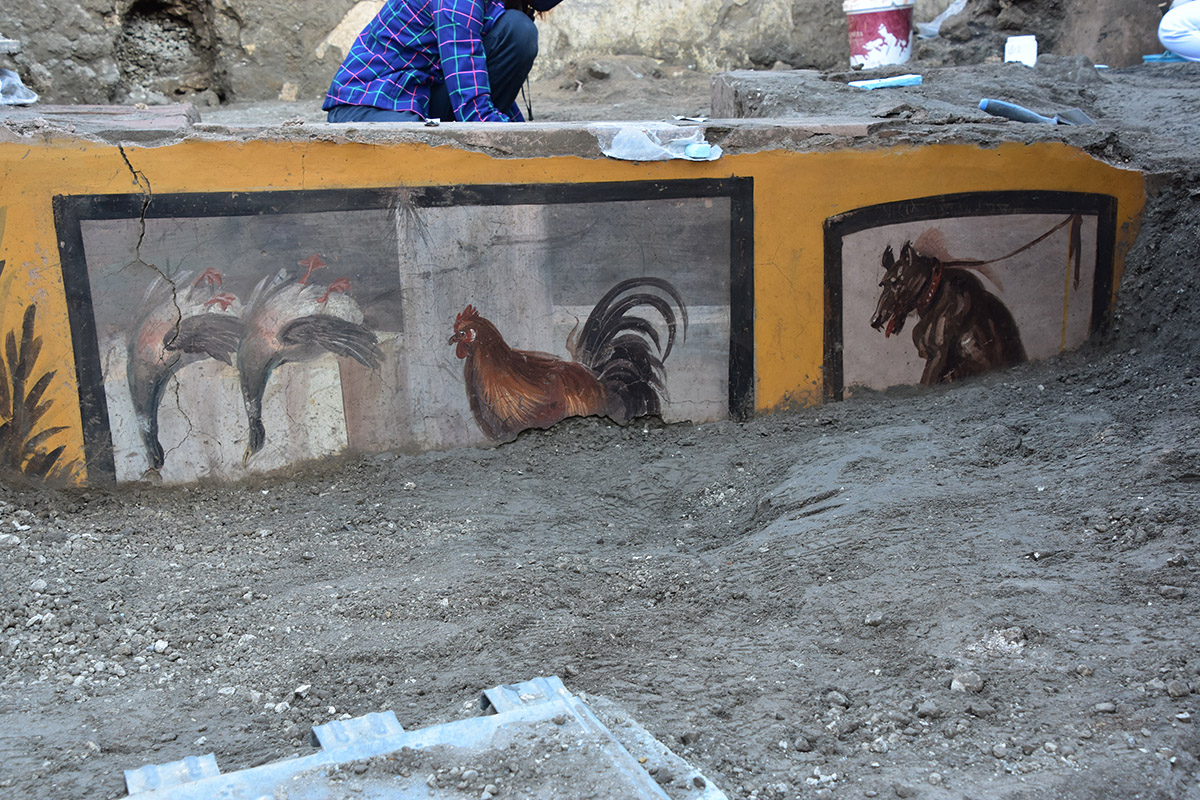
(625, 349)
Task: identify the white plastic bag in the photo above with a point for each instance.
(13, 92)
(929, 30)
(653, 142)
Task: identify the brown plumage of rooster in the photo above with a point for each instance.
(617, 367)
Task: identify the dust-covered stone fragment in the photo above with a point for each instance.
(966, 682)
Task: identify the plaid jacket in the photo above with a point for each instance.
(410, 46)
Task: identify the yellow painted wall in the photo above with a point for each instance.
(794, 193)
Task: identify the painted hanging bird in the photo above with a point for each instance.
(616, 371)
(179, 326)
(289, 319)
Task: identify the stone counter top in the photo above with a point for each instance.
(164, 125)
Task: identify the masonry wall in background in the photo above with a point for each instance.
(215, 51)
(1113, 32)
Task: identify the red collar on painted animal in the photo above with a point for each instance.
(935, 280)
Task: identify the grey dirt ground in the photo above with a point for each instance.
(981, 591)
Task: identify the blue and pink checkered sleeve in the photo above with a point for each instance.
(459, 26)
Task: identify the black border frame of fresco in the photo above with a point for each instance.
(966, 204)
(71, 210)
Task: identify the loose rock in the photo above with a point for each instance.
(980, 709)
(966, 682)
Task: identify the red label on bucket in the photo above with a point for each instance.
(880, 37)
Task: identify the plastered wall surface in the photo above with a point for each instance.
(772, 261)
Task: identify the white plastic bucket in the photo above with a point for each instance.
(881, 31)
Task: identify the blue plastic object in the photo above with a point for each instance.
(1070, 116)
(165, 776)
(887, 83)
(1166, 57)
(1012, 111)
(537, 712)
(346, 734)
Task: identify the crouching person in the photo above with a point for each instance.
(1179, 30)
(463, 60)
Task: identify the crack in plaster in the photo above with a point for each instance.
(187, 420)
(143, 183)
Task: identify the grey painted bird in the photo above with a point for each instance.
(289, 319)
(181, 322)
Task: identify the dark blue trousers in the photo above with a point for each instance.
(509, 48)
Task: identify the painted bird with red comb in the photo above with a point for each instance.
(616, 367)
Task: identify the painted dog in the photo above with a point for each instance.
(962, 329)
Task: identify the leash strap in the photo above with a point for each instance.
(1074, 218)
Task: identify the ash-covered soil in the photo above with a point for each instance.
(987, 590)
(981, 591)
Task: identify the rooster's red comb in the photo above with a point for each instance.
(224, 300)
(469, 314)
(211, 275)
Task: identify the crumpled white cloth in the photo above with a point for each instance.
(13, 92)
(651, 141)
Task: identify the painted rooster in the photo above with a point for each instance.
(291, 320)
(180, 324)
(616, 368)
